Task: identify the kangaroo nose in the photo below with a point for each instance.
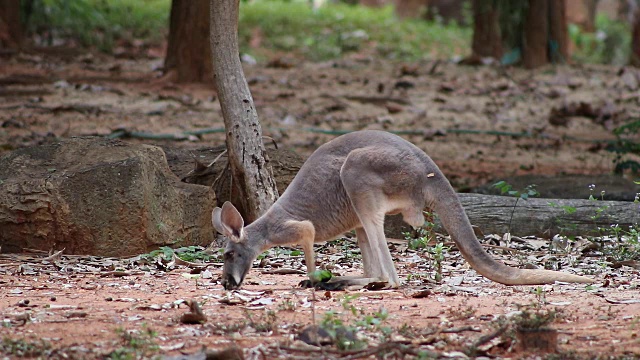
(229, 283)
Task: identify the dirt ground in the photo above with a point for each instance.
(80, 306)
(460, 115)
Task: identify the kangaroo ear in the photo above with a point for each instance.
(228, 221)
(216, 220)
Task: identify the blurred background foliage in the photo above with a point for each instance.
(270, 27)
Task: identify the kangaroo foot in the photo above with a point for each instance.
(321, 285)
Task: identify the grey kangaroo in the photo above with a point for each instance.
(352, 182)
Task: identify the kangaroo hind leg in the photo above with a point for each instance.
(366, 189)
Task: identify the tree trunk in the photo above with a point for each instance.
(188, 51)
(248, 161)
(536, 34)
(558, 35)
(11, 32)
(487, 39)
(635, 40)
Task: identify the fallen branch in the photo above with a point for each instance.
(24, 92)
(377, 99)
(471, 350)
(54, 257)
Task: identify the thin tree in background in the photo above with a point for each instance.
(558, 32)
(251, 174)
(538, 28)
(11, 31)
(535, 34)
(188, 52)
(487, 37)
(635, 39)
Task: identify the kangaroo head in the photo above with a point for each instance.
(239, 254)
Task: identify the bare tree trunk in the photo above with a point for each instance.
(247, 156)
(487, 38)
(188, 51)
(536, 33)
(11, 32)
(558, 35)
(635, 40)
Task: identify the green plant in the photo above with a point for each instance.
(136, 344)
(164, 252)
(540, 295)
(337, 29)
(609, 44)
(437, 253)
(187, 253)
(96, 22)
(342, 329)
(423, 235)
(266, 322)
(563, 226)
(535, 317)
(347, 247)
(616, 243)
(287, 305)
(421, 239)
(195, 253)
(524, 194)
(626, 144)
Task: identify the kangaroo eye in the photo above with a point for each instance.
(229, 255)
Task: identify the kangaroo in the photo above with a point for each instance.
(352, 182)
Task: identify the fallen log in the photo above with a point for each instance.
(548, 217)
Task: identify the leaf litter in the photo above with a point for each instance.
(270, 310)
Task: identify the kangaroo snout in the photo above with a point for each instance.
(229, 282)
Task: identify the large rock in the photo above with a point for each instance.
(98, 196)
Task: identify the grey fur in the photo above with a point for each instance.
(352, 182)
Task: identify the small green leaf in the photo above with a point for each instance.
(321, 276)
(191, 276)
